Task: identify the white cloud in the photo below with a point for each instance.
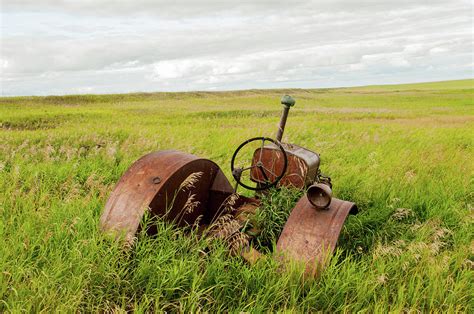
(61, 47)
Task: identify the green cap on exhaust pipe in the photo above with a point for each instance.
(288, 101)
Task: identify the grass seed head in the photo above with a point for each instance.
(190, 181)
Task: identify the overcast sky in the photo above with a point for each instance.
(104, 46)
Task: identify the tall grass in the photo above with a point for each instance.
(402, 153)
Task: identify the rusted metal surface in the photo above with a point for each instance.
(163, 182)
(310, 235)
(281, 126)
(287, 102)
(319, 195)
(301, 171)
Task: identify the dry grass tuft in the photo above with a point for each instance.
(402, 213)
(190, 204)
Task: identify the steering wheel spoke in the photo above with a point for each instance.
(261, 149)
(247, 168)
(269, 171)
(263, 173)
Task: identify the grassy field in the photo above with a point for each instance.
(403, 153)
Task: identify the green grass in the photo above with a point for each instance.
(403, 153)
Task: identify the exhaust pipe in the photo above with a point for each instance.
(287, 101)
(319, 195)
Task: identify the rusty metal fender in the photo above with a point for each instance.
(310, 235)
(154, 182)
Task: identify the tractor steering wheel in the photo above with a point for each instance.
(259, 166)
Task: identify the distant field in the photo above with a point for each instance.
(403, 153)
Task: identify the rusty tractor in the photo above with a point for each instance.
(188, 190)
